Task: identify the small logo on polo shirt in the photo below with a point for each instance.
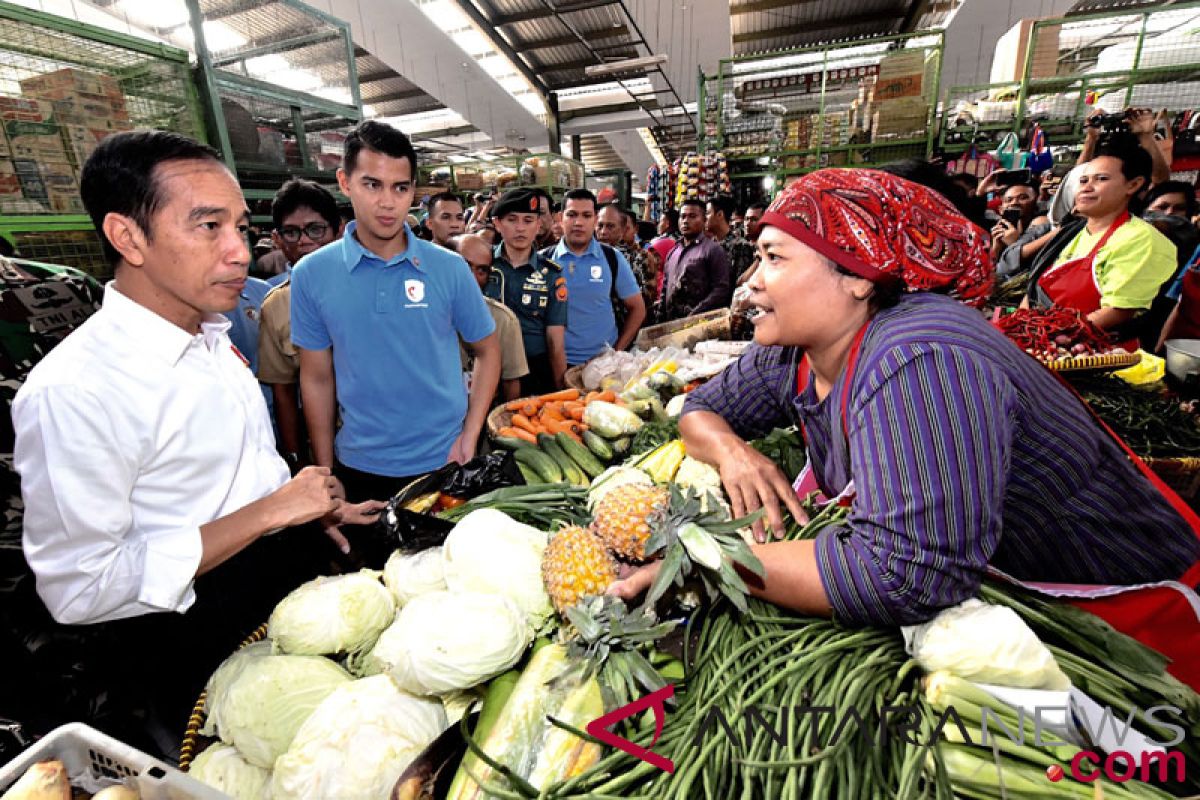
(597, 272)
(414, 291)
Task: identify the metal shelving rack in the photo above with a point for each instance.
(267, 131)
(102, 82)
(790, 112)
(1115, 59)
(552, 172)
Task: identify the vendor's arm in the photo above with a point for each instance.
(1130, 276)
(746, 400)
(930, 449)
(94, 561)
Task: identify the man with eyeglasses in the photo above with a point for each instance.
(306, 218)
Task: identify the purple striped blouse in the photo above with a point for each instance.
(964, 452)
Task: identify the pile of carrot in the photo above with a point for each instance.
(557, 412)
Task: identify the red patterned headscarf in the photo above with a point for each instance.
(888, 230)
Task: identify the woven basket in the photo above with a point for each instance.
(497, 419)
(1181, 474)
(191, 736)
(574, 378)
(1093, 364)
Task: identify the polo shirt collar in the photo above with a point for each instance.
(158, 336)
(593, 249)
(354, 253)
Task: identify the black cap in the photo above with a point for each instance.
(518, 201)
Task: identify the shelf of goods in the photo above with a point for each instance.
(282, 84)
(1055, 71)
(552, 172)
(854, 103)
(64, 86)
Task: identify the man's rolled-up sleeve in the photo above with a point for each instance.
(78, 471)
(930, 447)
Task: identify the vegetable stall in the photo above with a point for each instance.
(476, 663)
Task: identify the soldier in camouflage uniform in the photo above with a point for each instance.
(740, 250)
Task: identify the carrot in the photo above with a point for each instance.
(608, 396)
(577, 414)
(525, 423)
(529, 409)
(577, 428)
(591, 396)
(550, 414)
(558, 425)
(565, 394)
(514, 405)
(518, 433)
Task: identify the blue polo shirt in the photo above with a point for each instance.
(394, 327)
(243, 330)
(590, 321)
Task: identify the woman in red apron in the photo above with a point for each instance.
(1119, 274)
(957, 453)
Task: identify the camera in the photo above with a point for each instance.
(1109, 123)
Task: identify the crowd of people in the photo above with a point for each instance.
(152, 486)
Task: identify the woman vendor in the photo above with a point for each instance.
(1113, 269)
(956, 451)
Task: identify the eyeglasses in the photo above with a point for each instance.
(313, 230)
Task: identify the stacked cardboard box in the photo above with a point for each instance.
(1008, 63)
(89, 99)
(903, 117)
(898, 103)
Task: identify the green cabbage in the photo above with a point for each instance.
(218, 685)
(445, 641)
(267, 703)
(407, 575)
(488, 551)
(343, 614)
(357, 743)
(222, 767)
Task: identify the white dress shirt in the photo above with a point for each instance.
(130, 435)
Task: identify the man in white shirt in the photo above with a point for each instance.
(143, 442)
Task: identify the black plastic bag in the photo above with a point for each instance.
(411, 530)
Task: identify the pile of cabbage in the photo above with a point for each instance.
(360, 672)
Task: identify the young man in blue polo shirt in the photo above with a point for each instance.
(591, 269)
(376, 318)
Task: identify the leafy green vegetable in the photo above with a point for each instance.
(785, 447)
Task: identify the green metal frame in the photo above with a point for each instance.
(215, 81)
(725, 70)
(1083, 83)
(514, 163)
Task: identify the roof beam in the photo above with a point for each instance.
(407, 94)
(376, 77)
(488, 29)
(766, 5)
(568, 39)
(596, 111)
(540, 13)
(811, 27)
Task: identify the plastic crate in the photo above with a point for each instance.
(94, 760)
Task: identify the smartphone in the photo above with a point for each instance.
(1011, 215)
(1014, 177)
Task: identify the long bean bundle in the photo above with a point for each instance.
(1151, 423)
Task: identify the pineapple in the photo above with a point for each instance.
(623, 518)
(574, 565)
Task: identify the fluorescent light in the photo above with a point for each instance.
(155, 13)
(220, 37)
(628, 64)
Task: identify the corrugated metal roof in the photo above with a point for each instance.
(759, 26)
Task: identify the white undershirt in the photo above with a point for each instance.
(130, 435)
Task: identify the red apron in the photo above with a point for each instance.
(1163, 615)
(1073, 284)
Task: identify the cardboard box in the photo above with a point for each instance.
(35, 140)
(62, 187)
(92, 111)
(30, 177)
(24, 109)
(1008, 62)
(63, 83)
(10, 183)
(902, 117)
